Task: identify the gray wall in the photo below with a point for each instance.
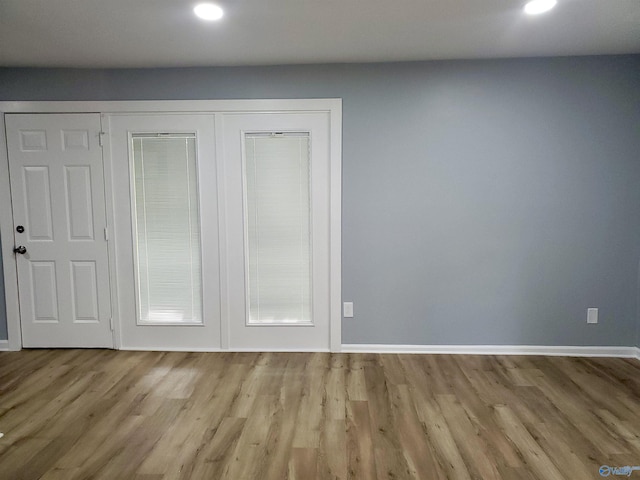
(484, 202)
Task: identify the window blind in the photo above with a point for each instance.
(167, 233)
(278, 228)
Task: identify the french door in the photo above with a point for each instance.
(277, 230)
(57, 188)
(166, 219)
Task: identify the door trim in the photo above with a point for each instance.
(7, 238)
(331, 105)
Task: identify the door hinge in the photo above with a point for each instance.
(106, 234)
(111, 324)
(100, 138)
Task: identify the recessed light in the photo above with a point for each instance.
(534, 7)
(208, 11)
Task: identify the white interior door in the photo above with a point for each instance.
(166, 217)
(277, 240)
(57, 187)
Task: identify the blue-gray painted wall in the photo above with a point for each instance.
(484, 202)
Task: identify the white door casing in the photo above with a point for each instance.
(56, 175)
(301, 337)
(135, 335)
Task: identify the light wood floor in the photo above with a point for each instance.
(100, 414)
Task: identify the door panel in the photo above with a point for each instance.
(149, 219)
(79, 204)
(44, 292)
(84, 288)
(300, 333)
(57, 187)
(38, 197)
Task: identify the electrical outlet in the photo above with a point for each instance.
(592, 315)
(348, 310)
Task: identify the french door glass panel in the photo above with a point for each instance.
(167, 229)
(278, 228)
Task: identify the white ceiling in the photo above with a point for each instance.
(165, 33)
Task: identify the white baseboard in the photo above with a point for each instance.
(279, 350)
(219, 350)
(565, 351)
(126, 348)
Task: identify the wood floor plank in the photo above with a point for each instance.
(360, 453)
(356, 385)
(412, 435)
(215, 454)
(251, 450)
(303, 464)
(561, 452)
(386, 444)
(310, 410)
(333, 460)
(481, 413)
(595, 388)
(102, 414)
(530, 450)
(124, 462)
(60, 474)
(570, 400)
(283, 426)
(475, 452)
(336, 394)
(447, 451)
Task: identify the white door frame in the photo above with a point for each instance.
(333, 106)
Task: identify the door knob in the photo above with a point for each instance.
(20, 249)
